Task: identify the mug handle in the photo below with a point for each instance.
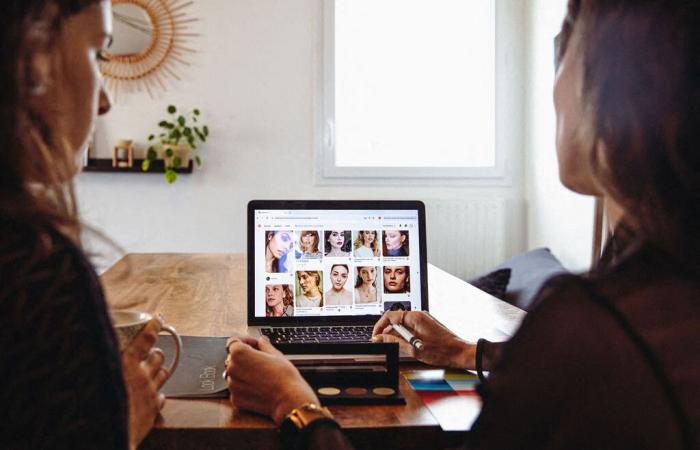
(178, 349)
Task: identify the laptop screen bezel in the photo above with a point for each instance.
(330, 205)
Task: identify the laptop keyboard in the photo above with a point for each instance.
(312, 335)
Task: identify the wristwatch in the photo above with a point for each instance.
(301, 417)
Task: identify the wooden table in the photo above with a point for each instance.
(205, 295)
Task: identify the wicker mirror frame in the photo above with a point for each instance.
(151, 68)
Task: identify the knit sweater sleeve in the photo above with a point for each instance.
(61, 384)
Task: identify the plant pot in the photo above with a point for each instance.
(182, 151)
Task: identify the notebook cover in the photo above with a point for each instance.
(201, 364)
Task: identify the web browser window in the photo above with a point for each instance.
(336, 262)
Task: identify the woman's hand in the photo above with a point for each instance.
(440, 346)
(260, 379)
(144, 375)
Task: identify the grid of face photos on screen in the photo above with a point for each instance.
(319, 271)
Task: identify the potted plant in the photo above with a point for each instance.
(177, 141)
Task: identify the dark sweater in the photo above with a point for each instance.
(61, 382)
(606, 361)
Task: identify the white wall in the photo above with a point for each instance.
(254, 79)
(556, 218)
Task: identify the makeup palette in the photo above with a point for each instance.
(349, 373)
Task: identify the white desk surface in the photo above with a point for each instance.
(468, 311)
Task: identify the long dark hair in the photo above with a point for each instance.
(346, 242)
(35, 174)
(358, 278)
(642, 102)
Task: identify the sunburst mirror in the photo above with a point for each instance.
(151, 40)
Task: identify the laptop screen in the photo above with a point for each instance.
(315, 261)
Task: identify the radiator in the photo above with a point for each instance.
(466, 237)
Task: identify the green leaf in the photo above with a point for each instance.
(172, 109)
(175, 134)
(150, 137)
(206, 130)
(177, 162)
(190, 140)
(196, 112)
(198, 160)
(151, 154)
(145, 165)
(170, 176)
(200, 135)
(181, 120)
(163, 124)
(187, 131)
(169, 152)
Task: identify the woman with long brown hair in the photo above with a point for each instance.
(608, 359)
(64, 382)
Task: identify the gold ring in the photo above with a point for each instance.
(230, 341)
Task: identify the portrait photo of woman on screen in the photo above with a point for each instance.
(366, 244)
(338, 295)
(309, 289)
(278, 244)
(366, 285)
(395, 243)
(279, 300)
(396, 280)
(337, 243)
(309, 245)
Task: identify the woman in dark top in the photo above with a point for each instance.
(64, 383)
(610, 359)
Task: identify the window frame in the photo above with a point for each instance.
(509, 103)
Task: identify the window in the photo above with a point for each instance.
(409, 90)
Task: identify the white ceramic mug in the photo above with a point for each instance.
(127, 324)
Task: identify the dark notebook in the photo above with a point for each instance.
(199, 373)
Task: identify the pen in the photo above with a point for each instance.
(410, 338)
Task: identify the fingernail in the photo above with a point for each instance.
(375, 338)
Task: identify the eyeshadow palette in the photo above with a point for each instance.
(368, 376)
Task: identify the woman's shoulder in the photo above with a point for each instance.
(26, 249)
(52, 304)
(40, 263)
(615, 327)
(640, 271)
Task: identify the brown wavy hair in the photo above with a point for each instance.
(35, 174)
(287, 300)
(642, 101)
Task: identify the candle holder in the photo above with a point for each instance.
(123, 154)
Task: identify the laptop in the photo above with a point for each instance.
(325, 271)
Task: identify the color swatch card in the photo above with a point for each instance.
(450, 395)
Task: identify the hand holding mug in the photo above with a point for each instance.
(440, 346)
(142, 367)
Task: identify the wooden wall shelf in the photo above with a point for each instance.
(105, 165)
